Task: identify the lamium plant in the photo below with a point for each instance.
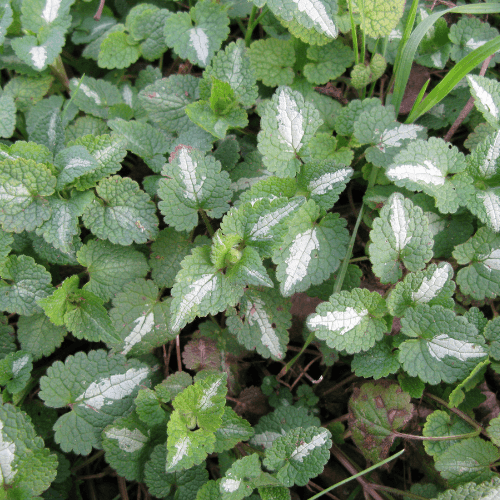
(232, 267)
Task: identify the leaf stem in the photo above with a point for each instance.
(209, 227)
(354, 34)
(250, 27)
(457, 412)
(287, 367)
(437, 438)
(89, 460)
(396, 491)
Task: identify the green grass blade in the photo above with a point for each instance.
(402, 71)
(447, 84)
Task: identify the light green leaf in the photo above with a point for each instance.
(27, 91)
(486, 93)
(378, 362)
(195, 182)
(272, 61)
(473, 491)
(299, 455)
(5, 20)
(15, 370)
(24, 283)
(148, 407)
(351, 321)
(38, 14)
(86, 125)
(7, 115)
(116, 51)
(347, 116)
(380, 17)
(311, 250)
(288, 123)
(200, 42)
(401, 233)
(44, 124)
(233, 430)
(330, 62)
(147, 27)
(434, 286)
(238, 482)
(123, 214)
(443, 347)
(97, 387)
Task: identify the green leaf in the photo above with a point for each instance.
(167, 253)
(262, 322)
(195, 182)
(330, 62)
(238, 483)
(86, 125)
(28, 468)
(443, 347)
(149, 409)
(81, 311)
(97, 387)
(24, 283)
(107, 150)
(200, 42)
(128, 442)
(24, 186)
(27, 91)
(94, 96)
(5, 20)
(233, 430)
(288, 123)
(434, 286)
(72, 163)
(348, 115)
(438, 424)
(279, 422)
(7, 115)
(232, 65)
(110, 267)
(424, 165)
(143, 140)
(378, 362)
(165, 101)
(314, 15)
(311, 250)
(380, 17)
(116, 51)
(125, 214)
(376, 410)
(272, 61)
(468, 460)
(38, 14)
(481, 278)
(44, 124)
(299, 455)
(186, 483)
(472, 491)
(38, 335)
(140, 318)
(15, 371)
(401, 233)
(351, 321)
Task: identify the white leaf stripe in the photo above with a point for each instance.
(113, 388)
(491, 261)
(200, 42)
(427, 173)
(316, 11)
(187, 167)
(488, 167)
(305, 449)
(399, 223)
(256, 312)
(430, 287)
(339, 322)
(182, 449)
(443, 345)
(50, 11)
(290, 122)
(206, 400)
(260, 230)
(326, 182)
(484, 97)
(7, 456)
(491, 203)
(144, 324)
(128, 440)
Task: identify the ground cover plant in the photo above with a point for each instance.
(249, 250)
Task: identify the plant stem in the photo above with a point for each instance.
(437, 438)
(89, 460)
(250, 27)
(209, 227)
(287, 367)
(354, 35)
(396, 491)
(359, 259)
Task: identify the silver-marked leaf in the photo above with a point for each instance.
(123, 213)
(311, 250)
(15, 371)
(24, 283)
(400, 234)
(351, 321)
(262, 322)
(443, 346)
(200, 289)
(481, 278)
(140, 318)
(434, 286)
(97, 387)
(486, 93)
(24, 188)
(198, 42)
(288, 123)
(73, 162)
(44, 124)
(233, 430)
(194, 181)
(424, 166)
(7, 114)
(299, 455)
